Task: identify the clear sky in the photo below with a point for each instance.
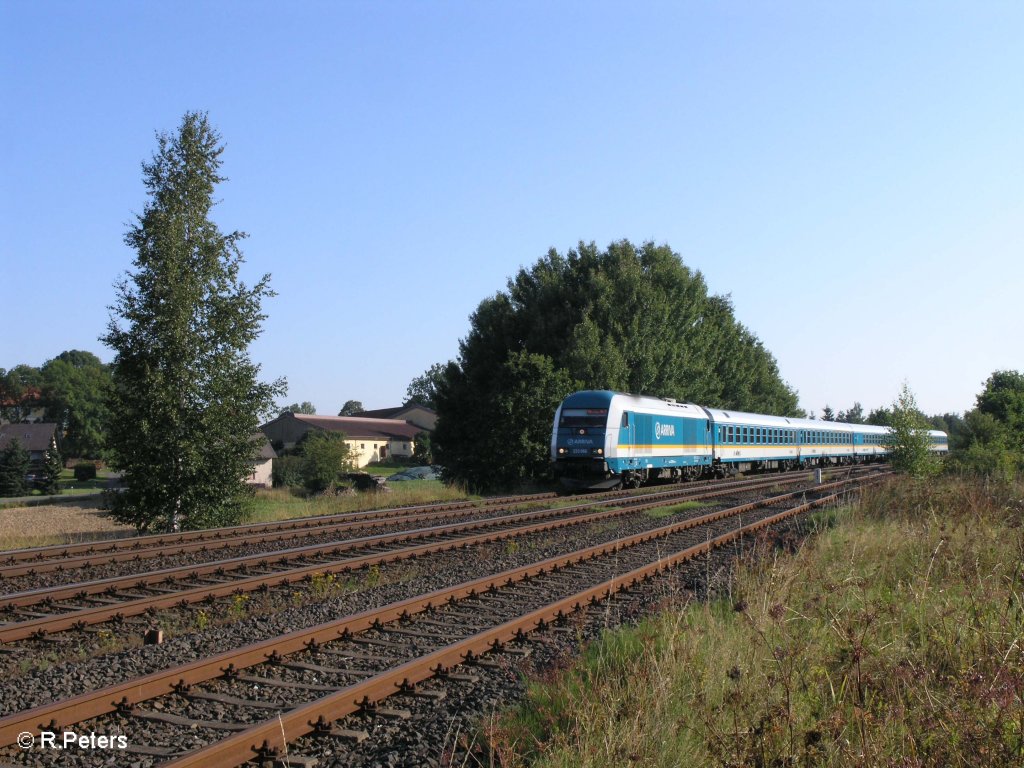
(852, 173)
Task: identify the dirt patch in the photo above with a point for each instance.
(65, 523)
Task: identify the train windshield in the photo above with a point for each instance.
(583, 417)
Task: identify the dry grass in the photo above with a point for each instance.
(282, 504)
(893, 639)
(66, 523)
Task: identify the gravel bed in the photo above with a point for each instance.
(217, 551)
(38, 686)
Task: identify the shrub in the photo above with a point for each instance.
(85, 470)
(286, 472)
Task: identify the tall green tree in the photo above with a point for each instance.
(627, 318)
(52, 466)
(186, 397)
(76, 389)
(908, 437)
(14, 464)
(990, 438)
(503, 441)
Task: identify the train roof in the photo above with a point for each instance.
(603, 398)
(729, 416)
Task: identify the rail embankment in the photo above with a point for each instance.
(891, 637)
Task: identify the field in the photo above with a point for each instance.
(75, 521)
(891, 638)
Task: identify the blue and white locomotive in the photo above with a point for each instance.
(602, 439)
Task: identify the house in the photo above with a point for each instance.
(261, 470)
(36, 438)
(369, 439)
(418, 415)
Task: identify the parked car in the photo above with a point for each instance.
(417, 473)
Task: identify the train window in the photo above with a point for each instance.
(583, 417)
(625, 418)
(730, 434)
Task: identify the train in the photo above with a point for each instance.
(604, 439)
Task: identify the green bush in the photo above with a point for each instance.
(286, 472)
(85, 470)
(325, 458)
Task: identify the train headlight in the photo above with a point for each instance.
(598, 451)
(561, 451)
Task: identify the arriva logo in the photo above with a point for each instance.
(664, 430)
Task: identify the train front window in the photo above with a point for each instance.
(583, 417)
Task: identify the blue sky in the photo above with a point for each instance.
(852, 174)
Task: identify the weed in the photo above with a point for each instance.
(891, 638)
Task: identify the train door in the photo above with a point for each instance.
(627, 435)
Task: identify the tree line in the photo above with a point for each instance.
(71, 390)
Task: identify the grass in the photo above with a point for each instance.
(660, 512)
(893, 638)
(282, 504)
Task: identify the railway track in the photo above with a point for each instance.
(36, 613)
(254, 701)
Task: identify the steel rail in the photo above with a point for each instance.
(270, 738)
(265, 559)
(80, 618)
(309, 525)
(95, 703)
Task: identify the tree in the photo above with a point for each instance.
(14, 464)
(75, 392)
(880, 417)
(305, 407)
(423, 451)
(853, 416)
(828, 414)
(504, 443)
(52, 467)
(990, 438)
(1003, 399)
(627, 318)
(422, 390)
(908, 437)
(351, 408)
(326, 456)
(186, 399)
(20, 390)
